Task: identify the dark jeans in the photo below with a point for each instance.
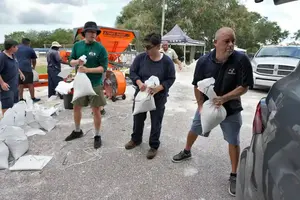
(156, 121)
(53, 81)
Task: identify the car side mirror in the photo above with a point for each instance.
(276, 2)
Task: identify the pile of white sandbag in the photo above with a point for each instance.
(24, 119)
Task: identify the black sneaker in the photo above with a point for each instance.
(35, 100)
(103, 112)
(97, 141)
(183, 155)
(232, 185)
(74, 135)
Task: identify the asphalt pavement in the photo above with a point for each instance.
(78, 172)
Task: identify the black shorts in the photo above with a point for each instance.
(28, 78)
(9, 98)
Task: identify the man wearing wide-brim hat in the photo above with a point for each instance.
(54, 67)
(96, 65)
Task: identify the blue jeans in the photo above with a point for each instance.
(231, 127)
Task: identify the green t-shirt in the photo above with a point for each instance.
(96, 56)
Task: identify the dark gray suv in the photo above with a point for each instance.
(269, 168)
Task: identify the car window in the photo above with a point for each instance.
(293, 52)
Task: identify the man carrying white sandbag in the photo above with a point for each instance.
(146, 65)
(232, 72)
(96, 64)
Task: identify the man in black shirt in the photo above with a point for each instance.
(233, 76)
(145, 65)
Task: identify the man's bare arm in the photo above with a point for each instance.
(33, 61)
(99, 70)
(74, 63)
(236, 93)
(199, 96)
(1, 80)
(177, 61)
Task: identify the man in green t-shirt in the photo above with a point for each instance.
(96, 65)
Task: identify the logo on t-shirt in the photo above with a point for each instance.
(231, 71)
(92, 54)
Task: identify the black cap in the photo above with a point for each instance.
(9, 43)
(90, 26)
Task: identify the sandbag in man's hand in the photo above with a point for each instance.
(219, 101)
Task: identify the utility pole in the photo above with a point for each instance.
(163, 17)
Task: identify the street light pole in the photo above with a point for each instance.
(163, 17)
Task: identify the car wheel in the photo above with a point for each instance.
(240, 184)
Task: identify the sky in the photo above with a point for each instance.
(16, 15)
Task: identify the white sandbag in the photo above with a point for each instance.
(35, 76)
(1, 112)
(206, 86)
(31, 162)
(65, 72)
(4, 153)
(211, 116)
(46, 122)
(29, 118)
(152, 82)
(8, 117)
(29, 102)
(82, 86)
(29, 131)
(144, 102)
(20, 109)
(64, 87)
(16, 140)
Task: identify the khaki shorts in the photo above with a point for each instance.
(94, 101)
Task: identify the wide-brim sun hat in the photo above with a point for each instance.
(90, 26)
(55, 44)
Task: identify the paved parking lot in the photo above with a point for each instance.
(77, 171)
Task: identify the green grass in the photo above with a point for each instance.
(41, 69)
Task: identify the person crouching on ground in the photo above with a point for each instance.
(9, 75)
(152, 62)
(97, 61)
(232, 71)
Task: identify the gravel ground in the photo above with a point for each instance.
(77, 171)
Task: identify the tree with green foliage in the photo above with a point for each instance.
(40, 38)
(200, 19)
(297, 35)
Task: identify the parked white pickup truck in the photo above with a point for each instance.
(272, 63)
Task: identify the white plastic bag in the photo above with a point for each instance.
(46, 122)
(206, 86)
(8, 117)
(144, 102)
(35, 76)
(211, 116)
(15, 139)
(65, 71)
(82, 86)
(152, 82)
(64, 87)
(4, 153)
(19, 109)
(31, 162)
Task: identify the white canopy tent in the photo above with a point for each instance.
(177, 37)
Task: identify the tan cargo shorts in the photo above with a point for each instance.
(94, 101)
